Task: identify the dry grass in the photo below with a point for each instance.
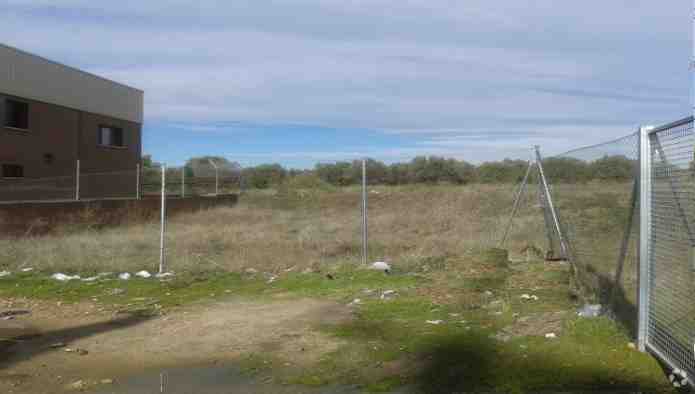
(270, 232)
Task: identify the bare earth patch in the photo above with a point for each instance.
(537, 324)
(116, 345)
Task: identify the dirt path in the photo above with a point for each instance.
(112, 346)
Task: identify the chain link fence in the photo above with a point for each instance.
(595, 193)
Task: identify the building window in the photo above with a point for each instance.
(16, 114)
(111, 136)
(48, 158)
(12, 171)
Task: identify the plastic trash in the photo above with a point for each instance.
(590, 310)
(551, 335)
(64, 278)
(143, 274)
(164, 275)
(380, 266)
(354, 302)
(5, 273)
(435, 322)
(27, 269)
(124, 276)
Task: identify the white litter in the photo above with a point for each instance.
(590, 310)
(388, 294)
(551, 335)
(525, 297)
(534, 297)
(251, 271)
(435, 322)
(164, 275)
(380, 266)
(143, 274)
(5, 273)
(90, 279)
(64, 278)
(124, 276)
(356, 301)
(272, 279)
(27, 269)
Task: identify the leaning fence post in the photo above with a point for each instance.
(163, 221)
(364, 212)
(551, 206)
(517, 200)
(77, 180)
(645, 159)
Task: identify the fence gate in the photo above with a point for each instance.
(667, 225)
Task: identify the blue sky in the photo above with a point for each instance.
(306, 81)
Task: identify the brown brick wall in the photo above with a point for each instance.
(48, 151)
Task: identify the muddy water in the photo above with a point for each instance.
(208, 380)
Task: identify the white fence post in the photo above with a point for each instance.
(137, 181)
(77, 180)
(364, 213)
(645, 236)
(163, 224)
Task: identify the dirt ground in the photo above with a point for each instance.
(61, 348)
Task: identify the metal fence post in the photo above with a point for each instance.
(551, 206)
(217, 177)
(137, 181)
(517, 201)
(183, 181)
(645, 159)
(364, 212)
(163, 219)
(241, 180)
(77, 180)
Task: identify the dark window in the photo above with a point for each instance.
(111, 136)
(12, 171)
(48, 158)
(16, 114)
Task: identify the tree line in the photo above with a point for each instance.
(423, 169)
(433, 169)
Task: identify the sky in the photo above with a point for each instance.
(306, 81)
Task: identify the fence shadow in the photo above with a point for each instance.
(474, 364)
(26, 344)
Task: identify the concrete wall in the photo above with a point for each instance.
(33, 77)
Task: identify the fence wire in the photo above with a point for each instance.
(670, 328)
(594, 191)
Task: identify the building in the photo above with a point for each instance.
(51, 116)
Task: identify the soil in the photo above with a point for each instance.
(56, 346)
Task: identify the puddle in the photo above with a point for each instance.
(207, 380)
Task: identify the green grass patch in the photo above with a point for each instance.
(188, 287)
(182, 289)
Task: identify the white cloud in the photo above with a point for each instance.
(560, 73)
